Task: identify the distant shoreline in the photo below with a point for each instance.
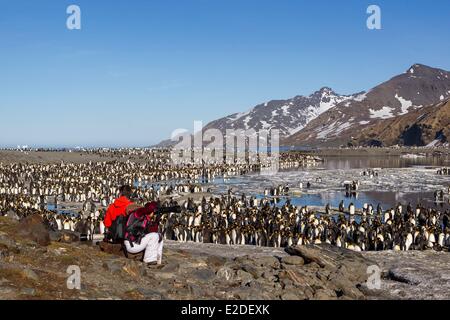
(10, 156)
(361, 152)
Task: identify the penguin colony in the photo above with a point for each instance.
(232, 220)
(228, 219)
(26, 188)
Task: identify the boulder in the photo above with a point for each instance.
(244, 277)
(267, 261)
(171, 267)
(256, 272)
(293, 260)
(325, 294)
(351, 264)
(33, 228)
(203, 274)
(225, 274)
(309, 254)
(289, 296)
(28, 291)
(112, 266)
(111, 248)
(215, 261)
(405, 275)
(133, 268)
(30, 274)
(344, 286)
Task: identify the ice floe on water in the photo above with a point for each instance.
(392, 179)
(391, 185)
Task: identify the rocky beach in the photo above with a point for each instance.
(34, 263)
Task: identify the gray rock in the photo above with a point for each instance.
(404, 275)
(33, 228)
(149, 293)
(28, 291)
(215, 261)
(345, 286)
(30, 274)
(252, 294)
(256, 272)
(171, 267)
(293, 260)
(309, 254)
(289, 296)
(339, 269)
(4, 291)
(134, 268)
(267, 261)
(203, 274)
(244, 277)
(225, 274)
(112, 266)
(197, 291)
(325, 294)
(270, 276)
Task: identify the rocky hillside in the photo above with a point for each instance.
(288, 116)
(326, 118)
(33, 265)
(418, 87)
(427, 126)
(34, 262)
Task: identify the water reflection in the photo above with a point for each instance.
(385, 199)
(359, 162)
(406, 194)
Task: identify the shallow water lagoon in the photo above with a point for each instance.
(399, 180)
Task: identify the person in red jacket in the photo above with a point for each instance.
(119, 207)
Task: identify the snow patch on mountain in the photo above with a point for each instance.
(288, 116)
(406, 104)
(383, 113)
(361, 97)
(246, 121)
(237, 116)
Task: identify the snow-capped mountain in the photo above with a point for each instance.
(288, 116)
(326, 118)
(419, 86)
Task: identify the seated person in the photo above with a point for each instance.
(119, 209)
(142, 234)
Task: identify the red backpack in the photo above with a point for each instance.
(136, 227)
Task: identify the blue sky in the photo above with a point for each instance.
(139, 69)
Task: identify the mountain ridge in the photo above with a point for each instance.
(419, 86)
(326, 118)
